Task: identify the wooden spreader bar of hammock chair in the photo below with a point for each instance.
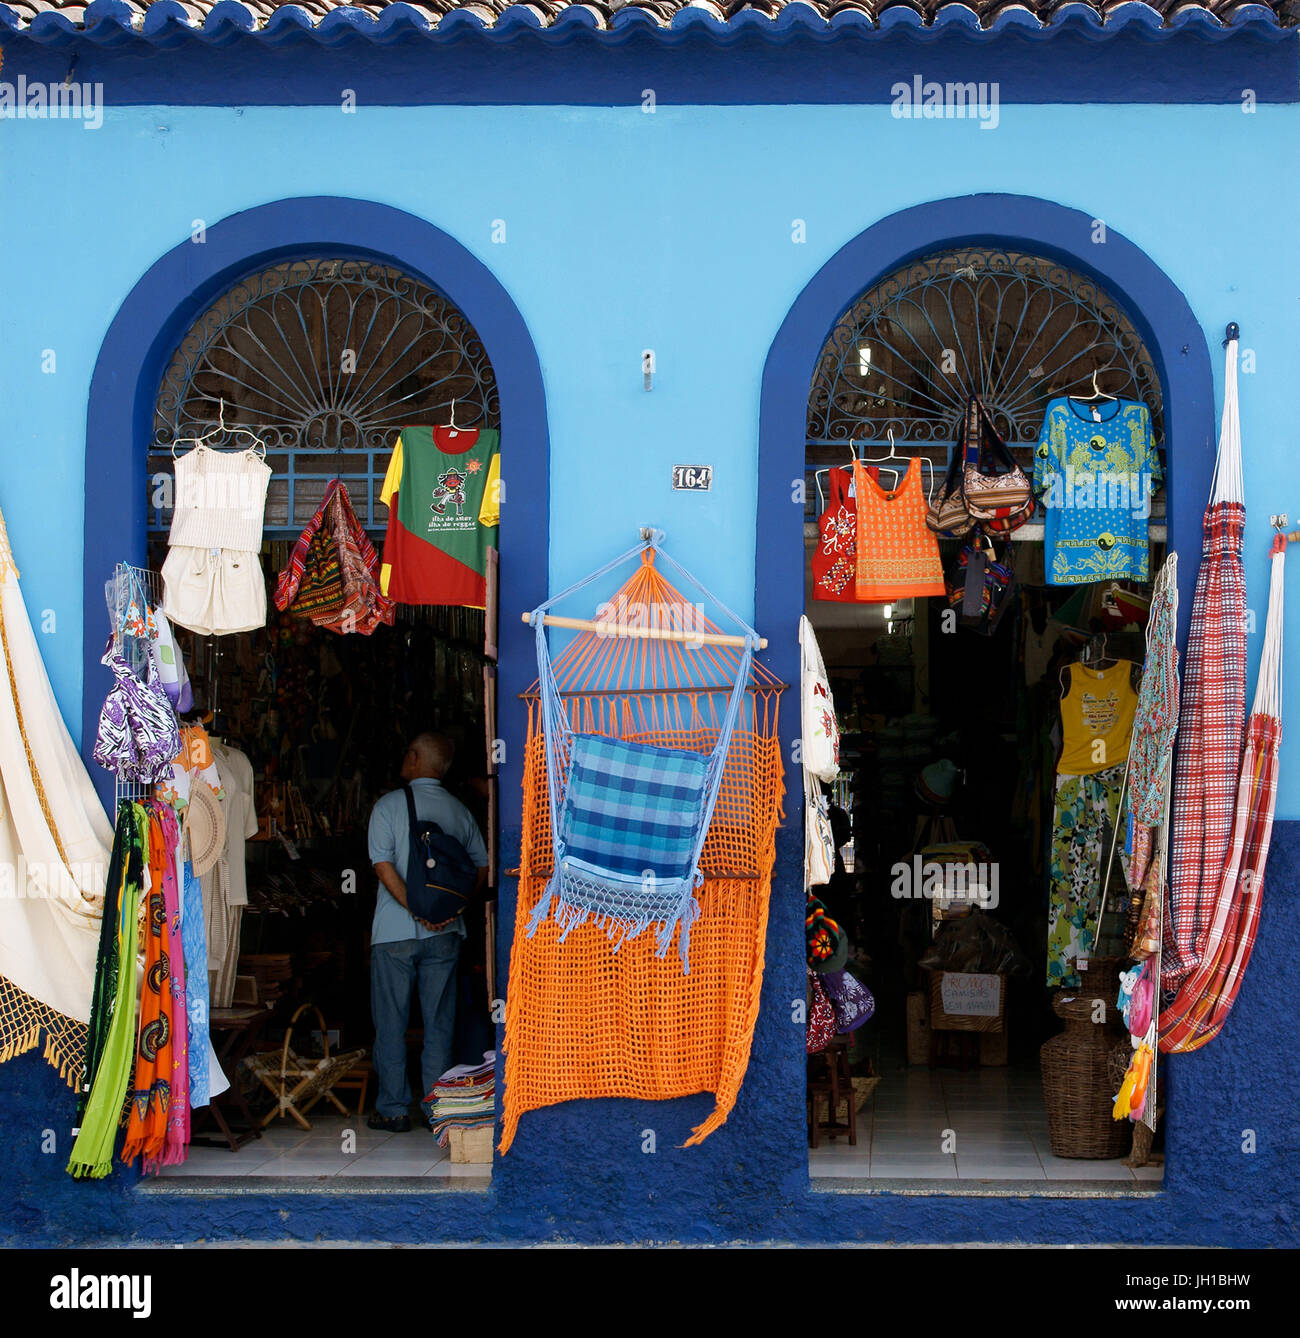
(644, 633)
(712, 877)
(725, 689)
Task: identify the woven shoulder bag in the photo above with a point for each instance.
(947, 515)
(998, 494)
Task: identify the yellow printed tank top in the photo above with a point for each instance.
(1096, 718)
(897, 556)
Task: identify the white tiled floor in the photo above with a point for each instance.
(985, 1124)
(336, 1146)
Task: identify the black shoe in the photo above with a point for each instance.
(396, 1124)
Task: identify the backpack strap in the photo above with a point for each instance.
(411, 814)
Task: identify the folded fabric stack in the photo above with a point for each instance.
(464, 1098)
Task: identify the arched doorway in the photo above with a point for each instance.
(887, 297)
(425, 321)
(161, 308)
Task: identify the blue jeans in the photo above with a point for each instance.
(395, 969)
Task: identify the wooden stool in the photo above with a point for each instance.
(357, 1079)
(234, 1032)
(836, 1085)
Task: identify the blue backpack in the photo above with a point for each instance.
(440, 875)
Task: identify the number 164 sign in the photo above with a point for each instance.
(692, 478)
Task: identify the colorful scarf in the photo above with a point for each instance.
(92, 1153)
(124, 864)
(194, 940)
(178, 1114)
(146, 1130)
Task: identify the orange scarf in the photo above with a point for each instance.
(146, 1129)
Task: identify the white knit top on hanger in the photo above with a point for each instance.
(220, 500)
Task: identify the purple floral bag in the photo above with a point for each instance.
(850, 998)
(137, 737)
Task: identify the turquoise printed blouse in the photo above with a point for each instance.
(1095, 469)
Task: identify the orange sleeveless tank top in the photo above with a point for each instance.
(897, 555)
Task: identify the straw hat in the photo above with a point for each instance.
(205, 825)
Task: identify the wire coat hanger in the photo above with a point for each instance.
(893, 454)
(219, 429)
(1097, 392)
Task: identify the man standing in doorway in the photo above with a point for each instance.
(405, 952)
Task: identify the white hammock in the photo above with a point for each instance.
(54, 839)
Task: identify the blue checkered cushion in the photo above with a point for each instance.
(630, 807)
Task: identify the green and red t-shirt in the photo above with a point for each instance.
(442, 490)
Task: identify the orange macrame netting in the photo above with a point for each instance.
(581, 1019)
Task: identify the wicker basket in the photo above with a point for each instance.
(1102, 977)
(1076, 1084)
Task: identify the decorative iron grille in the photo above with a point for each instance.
(325, 360)
(1017, 329)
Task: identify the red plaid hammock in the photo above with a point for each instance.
(1212, 716)
(1207, 994)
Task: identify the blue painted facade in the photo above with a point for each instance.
(574, 235)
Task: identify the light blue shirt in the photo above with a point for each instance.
(390, 840)
(1095, 469)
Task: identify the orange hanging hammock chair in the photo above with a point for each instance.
(593, 1010)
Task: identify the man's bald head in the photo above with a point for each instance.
(428, 754)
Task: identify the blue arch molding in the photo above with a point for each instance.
(179, 287)
(401, 59)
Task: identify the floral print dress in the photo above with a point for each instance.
(1087, 808)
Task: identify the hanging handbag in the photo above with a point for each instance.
(852, 1001)
(947, 515)
(833, 559)
(364, 605)
(332, 578)
(998, 493)
(137, 738)
(980, 584)
(170, 662)
(819, 732)
(819, 839)
(821, 1016)
(823, 935)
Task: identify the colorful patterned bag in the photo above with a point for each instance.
(332, 578)
(980, 585)
(947, 515)
(137, 736)
(998, 494)
(821, 1016)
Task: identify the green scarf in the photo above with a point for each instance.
(92, 1153)
(124, 863)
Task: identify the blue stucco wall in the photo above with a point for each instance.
(672, 231)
